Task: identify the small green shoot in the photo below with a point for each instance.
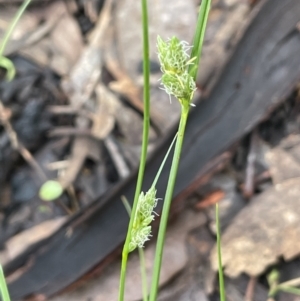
(3, 286)
(4, 61)
(50, 190)
(291, 286)
(8, 65)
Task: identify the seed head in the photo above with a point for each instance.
(141, 231)
(182, 87)
(172, 55)
(174, 60)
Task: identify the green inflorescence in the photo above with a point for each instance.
(141, 230)
(174, 59)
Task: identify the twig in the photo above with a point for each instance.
(72, 194)
(16, 144)
(69, 131)
(120, 164)
(250, 169)
(250, 289)
(293, 282)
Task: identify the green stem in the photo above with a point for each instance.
(163, 162)
(199, 37)
(143, 273)
(123, 275)
(3, 286)
(146, 125)
(221, 277)
(289, 289)
(13, 25)
(141, 256)
(167, 203)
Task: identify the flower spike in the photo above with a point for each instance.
(175, 60)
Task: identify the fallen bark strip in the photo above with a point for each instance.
(263, 70)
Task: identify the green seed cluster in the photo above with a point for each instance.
(141, 230)
(174, 59)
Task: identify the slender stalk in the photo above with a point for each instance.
(221, 277)
(199, 37)
(167, 204)
(163, 162)
(3, 286)
(289, 289)
(143, 273)
(5, 62)
(13, 25)
(146, 125)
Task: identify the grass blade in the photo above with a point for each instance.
(220, 269)
(5, 62)
(199, 37)
(3, 286)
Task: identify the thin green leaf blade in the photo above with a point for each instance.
(290, 289)
(199, 37)
(3, 286)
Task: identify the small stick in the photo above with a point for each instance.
(120, 163)
(250, 169)
(250, 289)
(16, 144)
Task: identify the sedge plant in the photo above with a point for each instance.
(179, 80)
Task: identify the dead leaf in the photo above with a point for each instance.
(103, 119)
(26, 25)
(20, 242)
(210, 199)
(82, 148)
(85, 74)
(263, 231)
(54, 41)
(66, 39)
(283, 165)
